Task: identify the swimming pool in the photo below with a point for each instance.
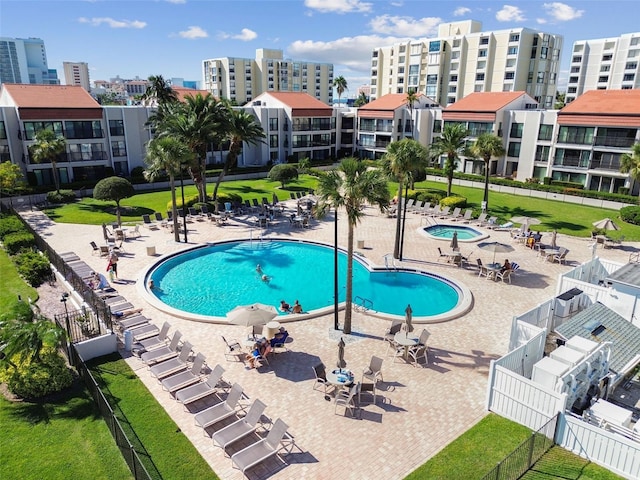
(205, 282)
(445, 232)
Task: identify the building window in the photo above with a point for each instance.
(31, 128)
(605, 68)
(509, 75)
(512, 51)
(453, 78)
(477, 88)
(116, 127)
(437, 126)
(631, 66)
(575, 70)
(628, 77)
(479, 77)
(576, 59)
(542, 153)
(540, 77)
(514, 149)
(514, 37)
(118, 149)
(484, 41)
(516, 130)
(573, 79)
(481, 65)
(545, 132)
(273, 141)
(544, 51)
(273, 124)
(603, 79)
(434, 46)
(482, 53)
(607, 57)
(79, 129)
(432, 79)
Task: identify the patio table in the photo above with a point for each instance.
(406, 340)
(549, 253)
(340, 378)
(492, 270)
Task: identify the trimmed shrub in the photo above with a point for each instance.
(573, 185)
(630, 215)
(34, 268)
(63, 196)
(453, 202)
(623, 191)
(189, 201)
(36, 380)
(17, 241)
(284, 173)
(10, 224)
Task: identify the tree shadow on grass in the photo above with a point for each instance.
(125, 211)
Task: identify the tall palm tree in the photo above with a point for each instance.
(241, 127)
(47, 148)
(159, 91)
(451, 144)
(630, 162)
(168, 155)
(486, 146)
(402, 159)
(350, 186)
(341, 85)
(411, 99)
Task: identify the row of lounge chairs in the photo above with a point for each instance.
(169, 361)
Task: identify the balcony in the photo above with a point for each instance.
(614, 141)
(576, 139)
(574, 162)
(606, 164)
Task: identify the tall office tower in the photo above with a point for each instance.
(463, 59)
(24, 60)
(604, 64)
(77, 73)
(243, 79)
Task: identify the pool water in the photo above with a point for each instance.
(215, 279)
(445, 232)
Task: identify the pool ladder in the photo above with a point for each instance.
(361, 304)
(390, 262)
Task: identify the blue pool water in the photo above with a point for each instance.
(445, 232)
(215, 279)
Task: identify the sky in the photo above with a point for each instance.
(130, 38)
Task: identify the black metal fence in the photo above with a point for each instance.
(116, 427)
(518, 462)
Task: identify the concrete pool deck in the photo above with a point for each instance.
(418, 411)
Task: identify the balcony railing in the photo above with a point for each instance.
(576, 139)
(611, 141)
(571, 162)
(608, 164)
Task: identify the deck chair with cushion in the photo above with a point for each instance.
(147, 222)
(262, 450)
(160, 340)
(220, 411)
(172, 365)
(185, 378)
(163, 353)
(203, 389)
(435, 211)
(240, 428)
(158, 216)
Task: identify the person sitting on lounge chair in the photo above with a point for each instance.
(280, 337)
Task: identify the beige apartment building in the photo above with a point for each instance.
(77, 73)
(243, 79)
(463, 59)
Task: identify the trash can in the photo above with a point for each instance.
(151, 251)
(360, 244)
(128, 340)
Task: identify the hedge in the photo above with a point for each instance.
(10, 224)
(630, 215)
(15, 242)
(33, 267)
(63, 196)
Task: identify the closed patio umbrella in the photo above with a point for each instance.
(454, 241)
(606, 224)
(408, 318)
(274, 200)
(495, 247)
(250, 315)
(554, 234)
(341, 363)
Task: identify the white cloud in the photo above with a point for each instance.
(394, 25)
(397, 4)
(561, 11)
(461, 11)
(97, 21)
(193, 32)
(509, 13)
(338, 6)
(245, 35)
(541, 21)
(177, 1)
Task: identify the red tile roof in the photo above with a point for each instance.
(297, 100)
(484, 102)
(49, 96)
(605, 101)
(391, 101)
(184, 91)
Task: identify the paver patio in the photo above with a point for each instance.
(419, 410)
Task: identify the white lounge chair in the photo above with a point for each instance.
(240, 428)
(172, 365)
(163, 353)
(202, 389)
(261, 450)
(184, 379)
(466, 218)
(482, 218)
(221, 410)
(148, 341)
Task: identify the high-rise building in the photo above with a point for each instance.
(243, 79)
(604, 64)
(24, 60)
(463, 59)
(77, 73)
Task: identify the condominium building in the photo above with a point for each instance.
(463, 59)
(77, 73)
(24, 60)
(604, 64)
(241, 80)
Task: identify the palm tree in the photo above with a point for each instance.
(159, 91)
(402, 158)
(168, 155)
(451, 144)
(350, 186)
(47, 148)
(341, 85)
(29, 339)
(486, 146)
(411, 99)
(241, 127)
(630, 162)
(361, 100)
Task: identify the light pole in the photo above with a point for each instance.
(184, 212)
(404, 219)
(63, 299)
(335, 270)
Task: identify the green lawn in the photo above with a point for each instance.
(150, 429)
(12, 285)
(479, 449)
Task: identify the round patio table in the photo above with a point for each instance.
(406, 340)
(343, 379)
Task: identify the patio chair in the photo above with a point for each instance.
(435, 211)
(219, 411)
(482, 270)
(135, 233)
(163, 353)
(491, 223)
(96, 248)
(240, 428)
(160, 340)
(256, 333)
(389, 333)
(255, 204)
(367, 387)
(144, 331)
(261, 450)
(374, 371)
(442, 255)
(347, 399)
(172, 365)
(466, 218)
(233, 348)
(455, 214)
(481, 219)
(147, 222)
(561, 256)
(158, 216)
(505, 276)
(426, 209)
(320, 373)
(420, 350)
(185, 378)
(202, 389)
(132, 322)
(444, 212)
